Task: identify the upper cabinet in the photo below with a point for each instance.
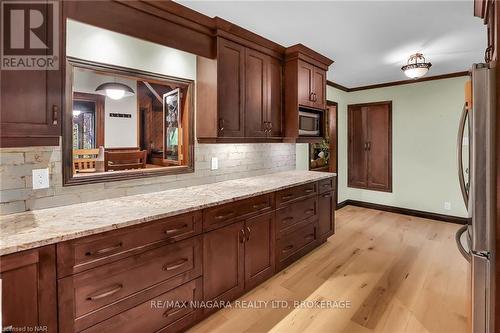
(239, 95)
(305, 86)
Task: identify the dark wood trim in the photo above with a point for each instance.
(341, 205)
(404, 211)
(398, 83)
(68, 177)
(336, 85)
(332, 103)
(99, 101)
(240, 140)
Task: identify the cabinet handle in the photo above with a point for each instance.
(288, 218)
(113, 291)
(315, 97)
(260, 206)
(369, 145)
(221, 217)
(309, 236)
(311, 210)
(248, 233)
(174, 265)
(309, 190)
(105, 250)
(487, 54)
(55, 114)
(242, 236)
(173, 231)
(311, 97)
(326, 185)
(221, 125)
(171, 312)
(287, 248)
(327, 195)
(288, 196)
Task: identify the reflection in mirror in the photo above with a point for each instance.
(126, 120)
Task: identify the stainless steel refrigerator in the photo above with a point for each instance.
(476, 152)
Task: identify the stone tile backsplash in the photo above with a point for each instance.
(235, 161)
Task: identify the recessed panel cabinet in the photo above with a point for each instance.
(311, 85)
(370, 146)
(239, 95)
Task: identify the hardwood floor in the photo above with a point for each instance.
(400, 274)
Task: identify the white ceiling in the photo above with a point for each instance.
(368, 40)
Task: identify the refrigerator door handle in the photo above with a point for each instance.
(461, 177)
(463, 251)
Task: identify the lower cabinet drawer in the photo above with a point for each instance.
(102, 292)
(292, 243)
(169, 312)
(288, 217)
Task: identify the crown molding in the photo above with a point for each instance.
(397, 83)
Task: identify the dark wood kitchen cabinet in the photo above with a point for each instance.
(311, 85)
(239, 95)
(223, 262)
(326, 215)
(370, 146)
(29, 298)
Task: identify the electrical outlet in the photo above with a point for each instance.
(40, 178)
(447, 205)
(215, 163)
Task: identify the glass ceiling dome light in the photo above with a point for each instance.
(115, 90)
(416, 66)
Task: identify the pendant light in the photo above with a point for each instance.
(115, 90)
(416, 66)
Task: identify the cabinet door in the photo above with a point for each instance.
(305, 84)
(274, 111)
(326, 215)
(256, 91)
(231, 88)
(29, 289)
(259, 249)
(223, 266)
(319, 87)
(379, 147)
(357, 159)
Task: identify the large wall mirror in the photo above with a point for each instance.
(122, 122)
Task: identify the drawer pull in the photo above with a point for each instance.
(288, 196)
(174, 265)
(225, 216)
(287, 248)
(327, 195)
(309, 190)
(260, 206)
(173, 231)
(286, 219)
(248, 233)
(105, 250)
(327, 185)
(171, 312)
(309, 236)
(113, 291)
(309, 211)
(242, 236)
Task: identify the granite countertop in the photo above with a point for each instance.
(37, 228)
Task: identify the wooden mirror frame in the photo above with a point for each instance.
(67, 155)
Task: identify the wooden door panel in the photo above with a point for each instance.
(305, 84)
(259, 249)
(319, 87)
(223, 268)
(255, 93)
(326, 214)
(357, 159)
(379, 147)
(231, 63)
(274, 111)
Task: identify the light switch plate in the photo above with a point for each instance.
(40, 178)
(447, 205)
(215, 163)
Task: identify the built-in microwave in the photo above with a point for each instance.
(310, 122)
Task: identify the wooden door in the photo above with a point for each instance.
(370, 146)
(256, 91)
(223, 266)
(326, 208)
(231, 88)
(305, 83)
(29, 296)
(275, 97)
(379, 147)
(319, 88)
(259, 249)
(357, 171)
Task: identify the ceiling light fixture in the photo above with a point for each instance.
(416, 66)
(115, 90)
